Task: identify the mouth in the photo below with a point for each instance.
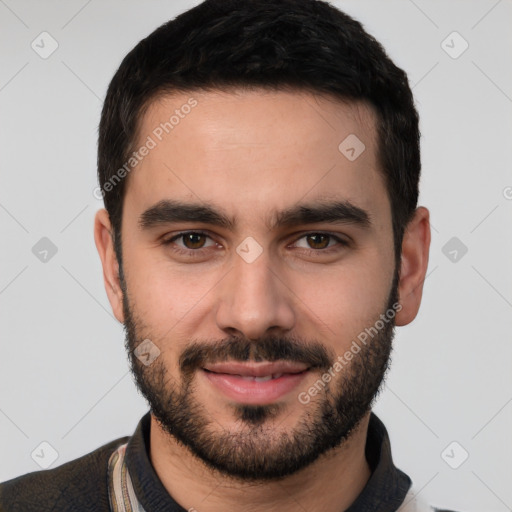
(255, 383)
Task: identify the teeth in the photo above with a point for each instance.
(265, 378)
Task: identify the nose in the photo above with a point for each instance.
(254, 299)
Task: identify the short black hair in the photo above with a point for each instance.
(304, 45)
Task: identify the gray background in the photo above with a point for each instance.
(64, 375)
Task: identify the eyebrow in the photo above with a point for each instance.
(172, 211)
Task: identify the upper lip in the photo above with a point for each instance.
(256, 369)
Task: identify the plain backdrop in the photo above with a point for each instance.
(64, 376)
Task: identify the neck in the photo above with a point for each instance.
(195, 487)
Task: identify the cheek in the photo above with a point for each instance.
(166, 297)
(345, 302)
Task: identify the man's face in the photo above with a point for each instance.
(272, 289)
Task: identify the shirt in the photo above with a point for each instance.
(119, 477)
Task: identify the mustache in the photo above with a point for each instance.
(272, 348)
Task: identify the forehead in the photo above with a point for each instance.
(260, 112)
(256, 151)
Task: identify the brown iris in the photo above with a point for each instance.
(194, 240)
(318, 240)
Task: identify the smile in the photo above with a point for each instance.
(255, 383)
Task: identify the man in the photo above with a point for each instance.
(259, 162)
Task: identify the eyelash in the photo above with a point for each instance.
(194, 252)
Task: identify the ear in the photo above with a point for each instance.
(105, 246)
(413, 267)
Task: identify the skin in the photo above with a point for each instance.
(250, 154)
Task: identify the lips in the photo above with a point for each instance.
(266, 370)
(255, 383)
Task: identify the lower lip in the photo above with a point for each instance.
(252, 392)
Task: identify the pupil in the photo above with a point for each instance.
(194, 240)
(316, 240)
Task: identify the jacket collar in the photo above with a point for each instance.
(385, 490)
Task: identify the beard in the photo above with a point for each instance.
(258, 450)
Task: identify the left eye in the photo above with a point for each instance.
(317, 241)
